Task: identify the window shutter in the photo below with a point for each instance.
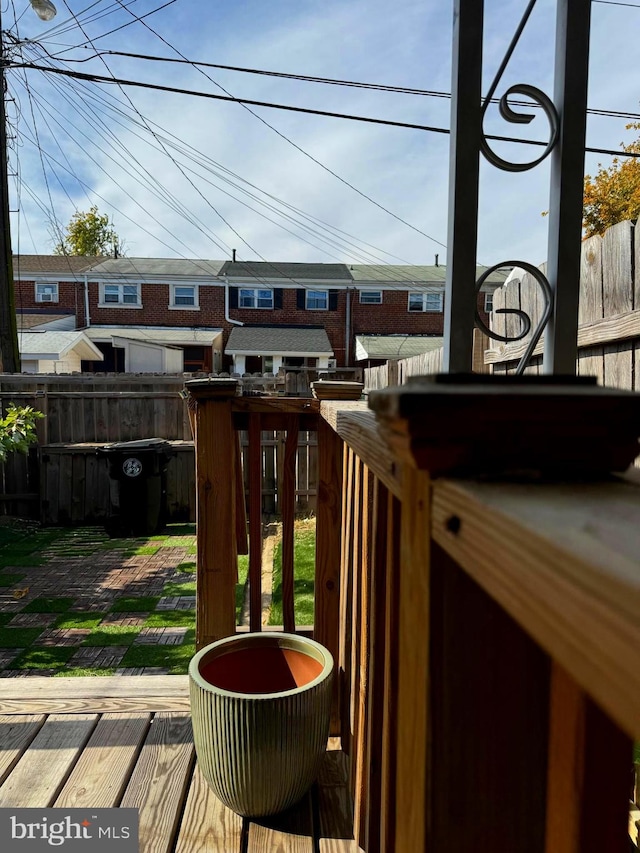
(277, 297)
(233, 297)
(333, 300)
(300, 302)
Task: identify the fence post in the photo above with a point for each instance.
(215, 509)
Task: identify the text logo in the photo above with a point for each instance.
(69, 830)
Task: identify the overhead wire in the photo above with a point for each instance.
(367, 259)
(177, 165)
(295, 145)
(331, 81)
(96, 78)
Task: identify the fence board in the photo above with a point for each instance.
(617, 270)
(591, 305)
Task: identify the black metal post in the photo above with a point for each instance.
(567, 184)
(464, 170)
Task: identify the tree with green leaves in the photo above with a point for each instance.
(90, 233)
(18, 430)
(613, 194)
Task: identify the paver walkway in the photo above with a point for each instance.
(74, 602)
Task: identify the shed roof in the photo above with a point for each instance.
(395, 346)
(54, 345)
(155, 335)
(280, 340)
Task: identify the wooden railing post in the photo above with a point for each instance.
(328, 528)
(215, 509)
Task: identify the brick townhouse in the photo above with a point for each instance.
(173, 314)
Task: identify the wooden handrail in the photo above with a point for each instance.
(501, 627)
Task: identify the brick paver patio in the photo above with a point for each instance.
(69, 605)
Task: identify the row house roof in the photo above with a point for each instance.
(282, 273)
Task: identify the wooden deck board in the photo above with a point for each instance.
(119, 755)
(160, 780)
(207, 825)
(41, 772)
(102, 771)
(16, 733)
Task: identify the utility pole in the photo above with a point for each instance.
(9, 354)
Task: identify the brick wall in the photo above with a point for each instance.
(70, 298)
(391, 317)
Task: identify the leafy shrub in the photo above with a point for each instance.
(18, 430)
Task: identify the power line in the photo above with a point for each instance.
(96, 78)
(616, 3)
(331, 81)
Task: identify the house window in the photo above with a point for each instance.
(184, 296)
(371, 297)
(121, 294)
(317, 300)
(252, 297)
(47, 291)
(488, 302)
(431, 302)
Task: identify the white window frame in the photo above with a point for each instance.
(177, 306)
(488, 303)
(425, 299)
(39, 291)
(316, 307)
(255, 298)
(120, 287)
(365, 297)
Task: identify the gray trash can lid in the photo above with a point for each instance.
(140, 444)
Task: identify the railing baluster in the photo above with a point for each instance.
(588, 774)
(288, 498)
(363, 626)
(242, 546)
(390, 687)
(255, 523)
(344, 663)
(376, 683)
(355, 544)
(328, 523)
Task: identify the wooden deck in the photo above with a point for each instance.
(127, 742)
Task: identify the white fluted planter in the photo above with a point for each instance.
(261, 705)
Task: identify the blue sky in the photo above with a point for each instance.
(178, 205)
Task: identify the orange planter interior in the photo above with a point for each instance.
(268, 669)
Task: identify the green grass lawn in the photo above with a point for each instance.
(304, 560)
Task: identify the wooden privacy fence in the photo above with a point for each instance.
(67, 484)
(62, 481)
(89, 408)
(398, 371)
(609, 311)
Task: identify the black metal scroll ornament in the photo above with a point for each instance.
(509, 114)
(524, 317)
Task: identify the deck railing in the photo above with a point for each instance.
(486, 633)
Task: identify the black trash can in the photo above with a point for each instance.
(138, 486)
